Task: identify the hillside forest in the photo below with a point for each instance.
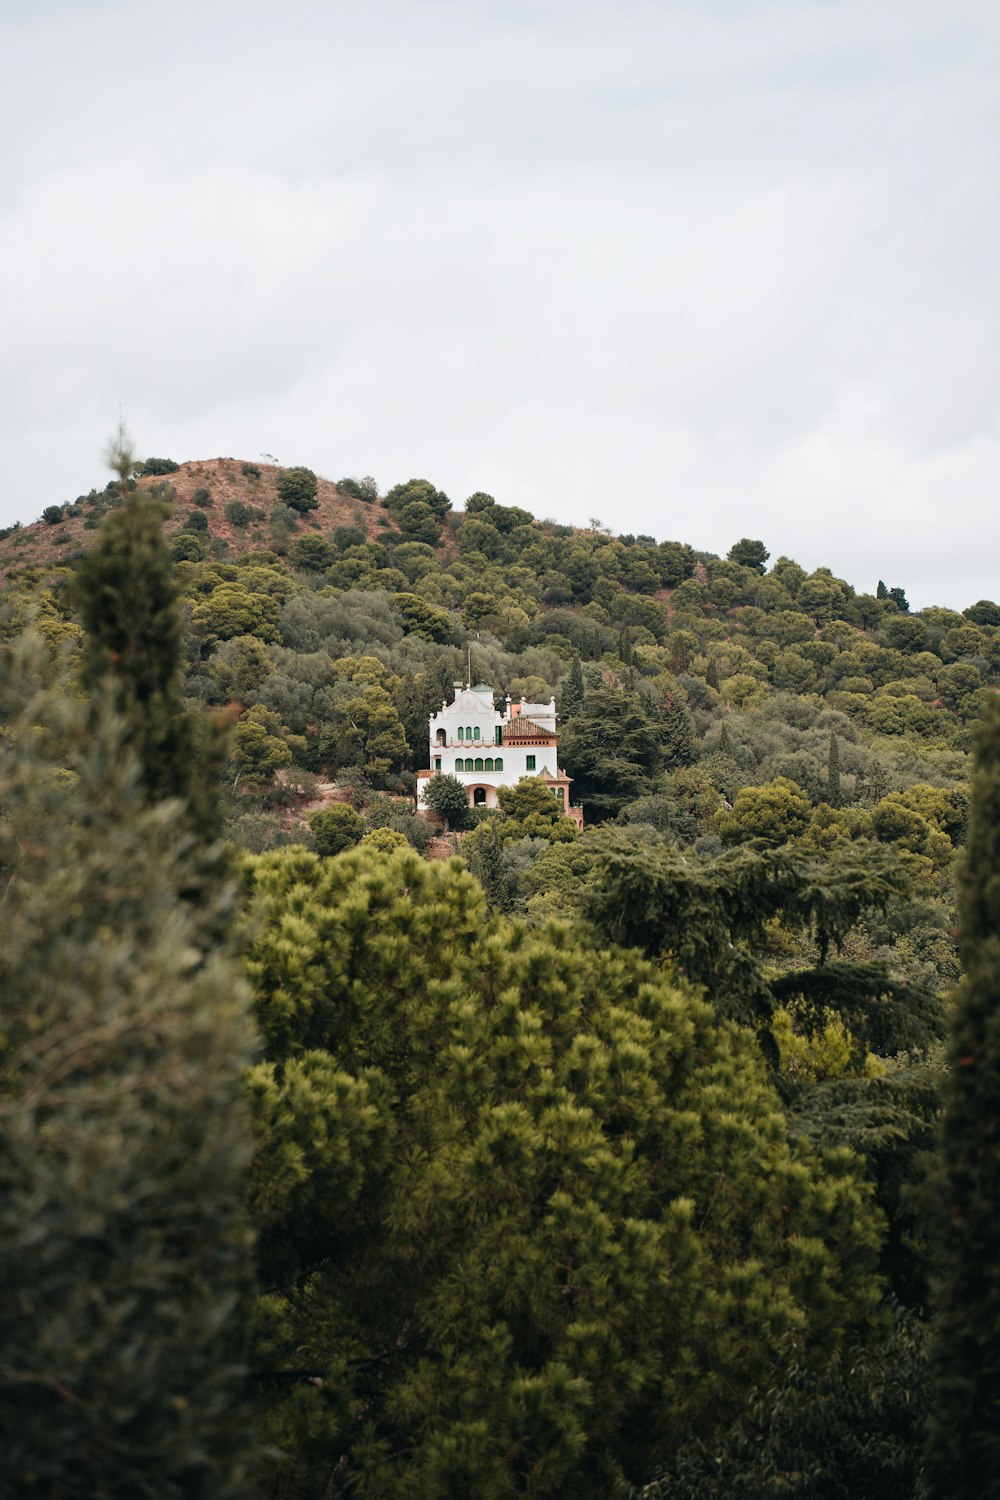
(346, 1151)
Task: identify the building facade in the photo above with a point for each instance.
(485, 750)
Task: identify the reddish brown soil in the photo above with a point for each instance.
(42, 546)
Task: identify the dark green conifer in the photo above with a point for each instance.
(127, 600)
(963, 1457)
(486, 861)
(124, 1247)
(833, 792)
(678, 733)
(572, 692)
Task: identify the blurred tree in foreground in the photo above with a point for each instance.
(963, 1455)
(124, 1033)
(124, 1250)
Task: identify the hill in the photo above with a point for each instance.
(774, 767)
(210, 487)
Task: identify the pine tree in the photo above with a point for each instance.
(124, 1247)
(529, 1215)
(963, 1456)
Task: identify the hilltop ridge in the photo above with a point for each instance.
(62, 531)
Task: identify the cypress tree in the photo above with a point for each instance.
(124, 1247)
(573, 691)
(678, 733)
(963, 1456)
(833, 792)
(487, 864)
(125, 593)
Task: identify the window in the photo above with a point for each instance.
(498, 735)
(488, 763)
(498, 764)
(530, 763)
(475, 733)
(461, 733)
(459, 764)
(437, 762)
(479, 763)
(468, 732)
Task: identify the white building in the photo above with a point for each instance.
(485, 749)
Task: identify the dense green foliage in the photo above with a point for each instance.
(124, 1246)
(526, 1212)
(853, 1430)
(964, 1447)
(297, 488)
(473, 1133)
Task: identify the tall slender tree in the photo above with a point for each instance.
(124, 1035)
(963, 1455)
(125, 593)
(834, 794)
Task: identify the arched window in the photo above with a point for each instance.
(459, 764)
(488, 763)
(440, 738)
(461, 732)
(468, 732)
(475, 733)
(479, 763)
(498, 763)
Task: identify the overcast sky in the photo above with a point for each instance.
(699, 270)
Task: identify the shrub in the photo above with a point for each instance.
(347, 536)
(239, 514)
(335, 829)
(52, 515)
(252, 471)
(385, 840)
(281, 523)
(312, 553)
(196, 521)
(256, 831)
(158, 466)
(359, 489)
(186, 547)
(297, 488)
(202, 497)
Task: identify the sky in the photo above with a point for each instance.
(697, 270)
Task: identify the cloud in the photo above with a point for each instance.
(700, 270)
